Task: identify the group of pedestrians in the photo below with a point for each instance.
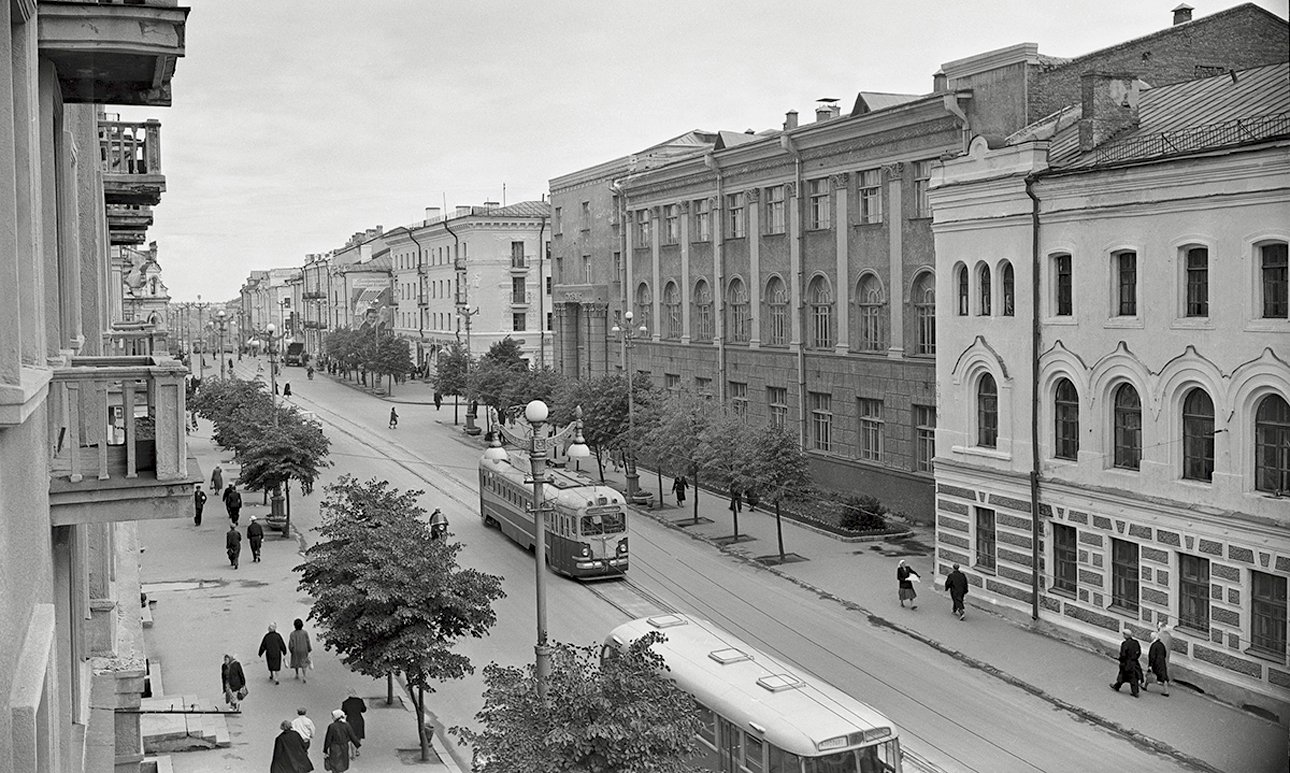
(342, 737)
(1130, 667)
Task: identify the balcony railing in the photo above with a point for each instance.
(117, 419)
(520, 297)
(519, 262)
(130, 153)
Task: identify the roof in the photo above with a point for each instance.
(1194, 116)
(869, 101)
(523, 209)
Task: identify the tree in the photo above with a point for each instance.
(621, 714)
(291, 450)
(389, 598)
(724, 450)
(240, 410)
(450, 373)
(777, 467)
(675, 437)
(506, 353)
(391, 358)
(605, 418)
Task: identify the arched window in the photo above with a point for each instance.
(1009, 290)
(821, 301)
(1065, 420)
(1198, 436)
(923, 296)
(671, 311)
(987, 412)
(963, 291)
(644, 306)
(985, 291)
(1128, 427)
(737, 301)
(1272, 445)
(703, 325)
(777, 304)
(869, 317)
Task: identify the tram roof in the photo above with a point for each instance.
(566, 487)
(793, 710)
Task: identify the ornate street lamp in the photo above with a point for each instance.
(539, 439)
(627, 334)
(276, 511)
(220, 317)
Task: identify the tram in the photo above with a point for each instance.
(586, 527)
(760, 714)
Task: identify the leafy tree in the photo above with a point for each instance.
(451, 371)
(621, 714)
(388, 597)
(605, 417)
(776, 467)
(239, 410)
(292, 450)
(506, 353)
(489, 382)
(391, 357)
(725, 448)
(674, 437)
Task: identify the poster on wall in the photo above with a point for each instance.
(371, 303)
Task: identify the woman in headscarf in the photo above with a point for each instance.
(272, 647)
(336, 743)
(234, 681)
(289, 752)
(905, 579)
(354, 707)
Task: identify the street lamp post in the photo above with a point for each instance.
(539, 441)
(470, 428)
(627, 334)
(275, 499)
(220, 317)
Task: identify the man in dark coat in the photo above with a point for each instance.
(255, 536)
(336, 743)
(354, 708)
(289, 752)
(199, 502)
(232, 503)
(1158, 662)
(956, 583)
(1130, 669)
(272, 647)
(233, 545)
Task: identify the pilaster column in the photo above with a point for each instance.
(895, 258)
(793, 205)
(753, 282)
(657, 294)
(629, 259)
(841, 231)
(687, 283)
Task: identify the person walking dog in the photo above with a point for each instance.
(957, 585)
(1130, 669)
(272, 648)
(905, 579)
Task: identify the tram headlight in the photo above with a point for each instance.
(585, 552)
(622, 546)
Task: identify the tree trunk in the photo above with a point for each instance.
(696, 497)
(456, 403)
(658, 470)
(421, 724)
(600, 465)
(389, 689)
(287, 531)
(779, 531)
(734, 512)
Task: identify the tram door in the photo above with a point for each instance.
(729, 746)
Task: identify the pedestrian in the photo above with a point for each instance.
(199, 502)
(233, 680)
(286, 389)
(752, 498)
(233, 503)
(438, 400)
(438, 524)
(616, 459)
(194, 421)
(905, 579)
(299, 646)
(394, 418)
(957, 585)
(230, 367)
(1130, 668)
(272, 648)
(304, 726)
(678, 487)
(354, 708)
(736, 500)
(290, 754)
(217, 474)
(255, 536)
(336, 743)
(1158, 662)
(233, 545)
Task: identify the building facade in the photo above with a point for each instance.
(1114, 439)
(89, 442)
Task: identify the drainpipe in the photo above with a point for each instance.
(421, 292)
(541, 296)
(710, 161)
(624, 291)
(786, 142)
(1035, 341)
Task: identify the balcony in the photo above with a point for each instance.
(128, 224)
(312, 295)
(520, 297)
(112, 52)
(519, 263)
(118, 447)
(130, 153)
(581, 293)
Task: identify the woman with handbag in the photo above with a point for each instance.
(234, 681)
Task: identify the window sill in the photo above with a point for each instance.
(1264, 325)
(1069, 595)
(1121, 323)
(869, 225)
(920, 217)
(775, 233)
(1192, 323)
(1063, 320)
(990, 570)
(986, 453)
(1268, 656)
(1133, 612)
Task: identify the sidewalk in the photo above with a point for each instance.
(860, 577)
(204, 608)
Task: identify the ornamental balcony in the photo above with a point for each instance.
(130, 153)
(113, 52)
(128, 224)
(119, 450)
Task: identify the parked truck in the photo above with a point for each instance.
(296, 354)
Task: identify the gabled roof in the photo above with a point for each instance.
(869, 101)
(523, 209)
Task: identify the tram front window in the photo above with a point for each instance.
(880, 758)
(605, 523)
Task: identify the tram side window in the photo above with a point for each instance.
(707, 726)
(782, 761)
(753, 761)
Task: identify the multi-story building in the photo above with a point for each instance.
(477, 276)
(89, 442)
(316, 279)
(1114, 439)
(255, 304)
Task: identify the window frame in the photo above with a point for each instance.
(1197, 441)
(672, 319)
(776, 210)
(1273, 282)
(1065, 559)
(1063, 268)
(1125, 272)
(738, 399)
(704, 325)
(869, 317)
(1008, 289)
(738, 303)
(987, 412)
(962, 290)
(777, 406)
(1195, 300)
(922, 173)
(1193, 589)
(821, 405)
(818, 214)
(1126, 428)
(519, 321)
(1268, 612)
(672, 223)
(869, 191)
(924, 437)
(820, 301)
(983, 291)
(644, 305)
(777, 312)
(869, 429)
(1126, 565)
(923, 299)
(702, 220)
(985, 539)
(1272, 444)
(1065, 420)
(736, 216)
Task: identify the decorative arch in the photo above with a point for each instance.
(1120, 366)
(1251, 383)
(1187, 369)
(1059, 362)
(671, 310)
(704, 326)
(777, 311)
(819, 300)
(979, 356)
(870, 317)
(737, 306)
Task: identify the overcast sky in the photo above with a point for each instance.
(298, 123)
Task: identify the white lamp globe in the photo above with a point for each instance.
(627, 315)
(272, 328)
(578, 451)
(535, 411)
(220, 314)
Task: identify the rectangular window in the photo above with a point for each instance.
(1065, 554)
(924, 436)
(739, 399)
(517, 289)
(586, 269)
(548, 285)
(1198, 282)
(817, 203)
(518, 321)
(753, 751)
(702, 220)
(672, 382)
(1268, 613)
(642, 228)
(1063, 285)
(517, 255)
(703, 386)
(922, 179)
(586, 215)
(672, 223)
(777, 402)
(707, 726)
(1126, 268)
(821, 420)
(618, 266)
(775, 210)
(871, 196)
(870, 435)
(556, 221)
(735, 216)
(1275, 281)
(985, 538)
(1193, 592)
(550, 321)
(1124, 574)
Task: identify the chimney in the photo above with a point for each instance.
(432, 214)
(790, 120)
(462, 211)
(1182, 14)
(1110, 105)
(827, 112)
(940, 81)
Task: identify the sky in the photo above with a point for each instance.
(296, 124)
